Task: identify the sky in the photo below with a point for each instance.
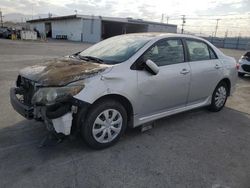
(200, 15)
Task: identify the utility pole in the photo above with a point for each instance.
(167, 19)
(162, 18)
(183, 23)
(238, 41)
(226, 33)
(216, 27)
(225, 38)
(1, 18)
(32, 11)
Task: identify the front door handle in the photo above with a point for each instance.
(217, 66)
(184, 71)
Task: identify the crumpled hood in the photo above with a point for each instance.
(59, 72)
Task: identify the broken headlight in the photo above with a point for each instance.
(51, 95)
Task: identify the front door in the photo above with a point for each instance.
(169, 88)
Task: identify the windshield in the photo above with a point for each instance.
(247, 54)
(116, 49)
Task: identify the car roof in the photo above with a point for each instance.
(158, 35)
(154, 36)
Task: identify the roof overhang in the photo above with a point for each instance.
(109, 19)
(54, 18)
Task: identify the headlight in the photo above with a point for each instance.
(50, 95)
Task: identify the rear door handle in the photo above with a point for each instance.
(184, 71)
(217, 66)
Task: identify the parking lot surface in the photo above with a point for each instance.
(191, 149)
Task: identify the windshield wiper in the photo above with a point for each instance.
(98, 60)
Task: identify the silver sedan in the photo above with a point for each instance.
(127, 80)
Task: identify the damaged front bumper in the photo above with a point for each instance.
(23, 109)
(57, 117)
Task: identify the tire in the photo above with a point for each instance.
(240, 74)
(99, 130)
(219, 97)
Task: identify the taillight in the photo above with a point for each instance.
(237, 66)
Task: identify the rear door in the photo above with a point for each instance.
(206, 70)
(169, 88)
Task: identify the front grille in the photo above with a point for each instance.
(246, 68)
(27, 89)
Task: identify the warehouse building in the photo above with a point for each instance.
(94, 28)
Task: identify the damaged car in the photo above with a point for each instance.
(124, 81)
(244, 65)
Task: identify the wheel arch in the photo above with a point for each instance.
(228, 83)
(123, 101)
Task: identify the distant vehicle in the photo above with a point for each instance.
(127, 80)
(244, 64)
(2, 31)
(7, 33)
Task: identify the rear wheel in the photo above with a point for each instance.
(240, 74)
(105, 123)
(219, 97)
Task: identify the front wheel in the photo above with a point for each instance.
(105, 123)
(219, 97)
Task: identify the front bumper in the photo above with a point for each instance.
(244, 66)
(23, 109)
(57, 117)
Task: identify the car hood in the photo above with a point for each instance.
(62, 71)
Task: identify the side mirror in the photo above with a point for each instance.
(151, 67)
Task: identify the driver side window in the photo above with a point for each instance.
(166, 52)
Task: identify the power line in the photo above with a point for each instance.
(211, 18)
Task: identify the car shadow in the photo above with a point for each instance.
(245, 77)
(28, 134)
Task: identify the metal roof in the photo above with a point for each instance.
(111, 19)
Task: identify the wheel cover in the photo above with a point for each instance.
(107, 126)
(220, 96)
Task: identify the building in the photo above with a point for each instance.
(94, 28)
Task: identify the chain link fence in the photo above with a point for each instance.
(240, 43)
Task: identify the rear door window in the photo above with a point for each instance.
(198, 51)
